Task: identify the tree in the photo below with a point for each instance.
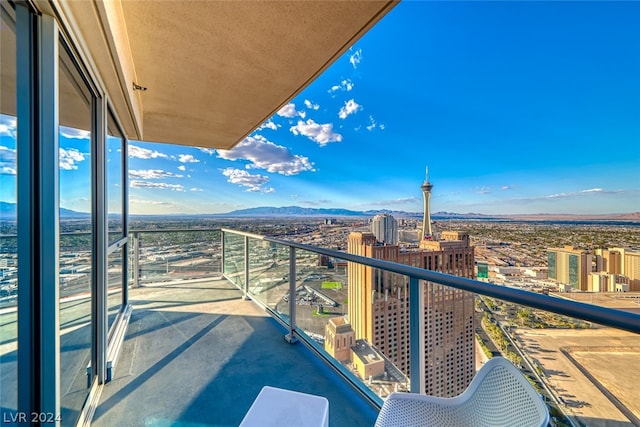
(524, 314)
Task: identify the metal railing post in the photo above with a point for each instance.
(136, 259)
(290, 337)
(416, 335)
(222, 252)
(246, 268)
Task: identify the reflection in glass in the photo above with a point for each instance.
(114, 281)
(115, 142)
(76, 238)
(269, 274)
(234, 258)
(8, 229)
(178, 255)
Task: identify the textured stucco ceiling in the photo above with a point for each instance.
(215, 70)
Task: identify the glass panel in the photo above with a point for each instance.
(115, 142)
(360, 316)
(115, 283)
(178, 255)
(584, 371)
(234, 258)
(269, 274)
(76, 239)
(450, 350)
(363, 323)
(8, 225)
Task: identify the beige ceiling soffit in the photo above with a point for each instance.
(115, 29)
(67, 21)
(85, 27)
(381, 13)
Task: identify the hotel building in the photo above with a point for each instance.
(379, 308)
(385, 228)
(570, 266)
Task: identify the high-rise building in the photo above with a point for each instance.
(570, 266)
(385, 228)
(632, 269)
(426, 219)
(609, 261)
(629, 266)
(379, 308)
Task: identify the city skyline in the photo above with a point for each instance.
(516, 108)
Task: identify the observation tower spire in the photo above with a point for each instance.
(426, 187)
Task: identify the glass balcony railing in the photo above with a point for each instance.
(176, 254)
(579, 356)
(577, 351)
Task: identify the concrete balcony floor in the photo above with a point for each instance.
(196, 354)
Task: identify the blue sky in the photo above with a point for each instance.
(516, 107)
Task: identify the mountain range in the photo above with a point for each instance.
(8, 211)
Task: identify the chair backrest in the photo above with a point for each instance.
(499, 395)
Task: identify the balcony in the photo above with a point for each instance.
(215, 313)
(197, 353)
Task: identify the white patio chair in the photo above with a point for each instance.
(499, 395)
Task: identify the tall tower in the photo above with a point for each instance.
(426, 220)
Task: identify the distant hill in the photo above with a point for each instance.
(295, 211)
(9, 211)
(454, 215)
(267, 211)
(632, 216)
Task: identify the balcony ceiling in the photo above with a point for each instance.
(214, 70)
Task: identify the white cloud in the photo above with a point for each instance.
(182, 168)
(311, 105)
(582, 192)
(350, 107)
(69, 158)
(373, 124)
(152, 174)
(356, 58)
(253, 183)
(345, 85)
(320, 133)
(145, 153)
(196, 189)
(74, 133)
(506, 187)
(209, 151)
(8, 126)
(7, 161)
(268, 125)
(288, 110)
(483, 190)
(264, 154)
(187, 158)
(162, 185)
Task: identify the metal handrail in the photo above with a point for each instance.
(601, 315)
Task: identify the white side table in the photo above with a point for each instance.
(278, 408)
